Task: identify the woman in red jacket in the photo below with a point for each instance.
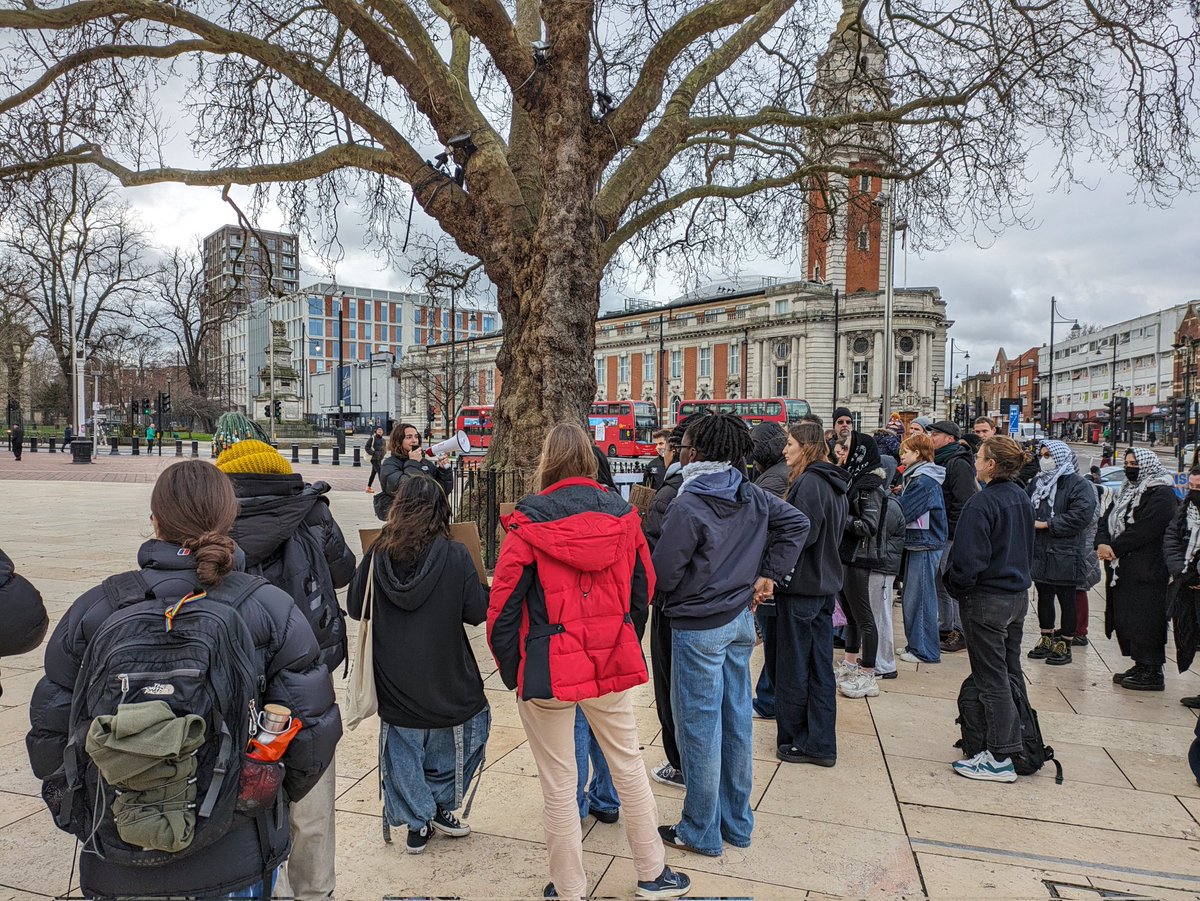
(573, 572)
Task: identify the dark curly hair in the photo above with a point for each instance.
(721, 438)
(419, 513)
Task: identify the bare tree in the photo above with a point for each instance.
(440, 387)
(184, 313)
(555, 140)
(79, 256)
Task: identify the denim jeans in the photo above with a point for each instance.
(764, 690)
(602, 794)
(424, 769)
(920, 603)
(993, 624)
(805, 690)
(949, 615)
(256, 892)
(710, 694)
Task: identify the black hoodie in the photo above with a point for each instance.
(820, 493)
(425, 671)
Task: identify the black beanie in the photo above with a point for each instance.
(840, 412)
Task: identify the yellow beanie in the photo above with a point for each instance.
(253, 456)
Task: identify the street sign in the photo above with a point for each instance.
(1014, 419)
(95, 405)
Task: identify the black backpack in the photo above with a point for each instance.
(299, 567)
(204, 664)
(972, 721)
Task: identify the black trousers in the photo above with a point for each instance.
(660, 666)
(374, 472)
(1065, 595)
(805, 691)
(860, 621)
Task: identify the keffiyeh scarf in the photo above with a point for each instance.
(1046, 485)
(1152, 473)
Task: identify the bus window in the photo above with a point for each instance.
(773, 409)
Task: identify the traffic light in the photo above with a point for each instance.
(132, 409)
(267, 412)
(145, 406)
(166, 402)
(279, 409)
(1113, 410)
(1044, 413)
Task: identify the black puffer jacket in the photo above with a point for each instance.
(1062, 553)
(394, 469)
(21, 611)
(288, 657)
(274, 508)
(884, 551)
(866, 498)
(653, 523)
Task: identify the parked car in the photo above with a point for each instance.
(1112, 477)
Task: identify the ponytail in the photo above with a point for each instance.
(194, 506)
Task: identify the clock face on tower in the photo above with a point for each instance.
(906, 344)
(861, 345)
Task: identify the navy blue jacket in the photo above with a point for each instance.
(820, 492)
(721, 534)
(993, 547)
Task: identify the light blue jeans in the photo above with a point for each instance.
(710, 697)
(920, 603)
(424, 769)
(602, 794)
(256, 892)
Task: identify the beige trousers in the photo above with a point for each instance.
(550, 727)
(308, 874)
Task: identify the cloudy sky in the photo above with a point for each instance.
(1104, 255)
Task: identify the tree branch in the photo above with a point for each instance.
(488, 22)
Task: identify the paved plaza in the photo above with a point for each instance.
(889, 821)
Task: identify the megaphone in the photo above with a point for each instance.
(455, 444)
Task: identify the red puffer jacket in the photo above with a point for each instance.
(573, 574)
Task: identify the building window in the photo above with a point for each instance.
(904, 375)
(601, 377)
(861, 377)
(861, 344)
(677, 364)
(781, 308)
(489, 387)
(864, 183)
(864, 239)
(783, 381)
(489, 323)
(316, 327)
(816, 273)
(706, 362)
(648, 366)
(735, 358)
(623, 369)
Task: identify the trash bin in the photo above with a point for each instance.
(81, 452)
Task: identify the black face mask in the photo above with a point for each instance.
(1132, 473)
(1194, 495)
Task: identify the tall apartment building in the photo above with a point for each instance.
(378, 324)
(236, 261)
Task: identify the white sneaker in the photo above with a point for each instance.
(909, 657)
(860, 685)
(984, 767)
(844, 670)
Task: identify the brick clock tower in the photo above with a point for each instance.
(848, 232)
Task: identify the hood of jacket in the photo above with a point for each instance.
(575, 521)
(271, 508)
(407, 586)
(769, 441)
(721, 485)
(837, 477)
(932, 470)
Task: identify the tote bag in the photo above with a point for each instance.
(361, 700)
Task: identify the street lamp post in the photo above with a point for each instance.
(936, 380)
(341, 396)
(1054, 317)
(887, 208)
(954, 351)
(837, 375)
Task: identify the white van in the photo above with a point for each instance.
(1029, 431)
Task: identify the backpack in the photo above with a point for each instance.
(299, 567)
(205, 664)
(972, 721)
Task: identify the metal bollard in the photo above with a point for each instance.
(195, 448)
(336, 462)
(275, 444)
(316, 455)
(137, 446)
(113, 445)
(357, 457)
(178, 447)
(51, 444)
(33, 445)
(295, 453)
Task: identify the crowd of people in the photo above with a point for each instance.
(795, 537)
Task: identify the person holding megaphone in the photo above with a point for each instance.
(405, 460)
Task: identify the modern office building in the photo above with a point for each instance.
(236, 261)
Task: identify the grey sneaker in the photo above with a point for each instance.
(860, 685)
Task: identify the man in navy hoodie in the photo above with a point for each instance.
(724, 545)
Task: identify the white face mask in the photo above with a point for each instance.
(1047, 464)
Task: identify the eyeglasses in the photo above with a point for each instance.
(686, 446)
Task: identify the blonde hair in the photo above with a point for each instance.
(567, 452)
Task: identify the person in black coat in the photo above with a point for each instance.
(405, 460)
(805, 693)
(426, 678)
(958, 488)
(21, 611)
(656, 469)
(192, 509)
(1064, 506)
(16, 441)
(770, 469)
(1130, 540)
(1181, 552)
(376, 449)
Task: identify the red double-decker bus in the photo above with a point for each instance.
(753, 410)
(624, 428)
(476, 422)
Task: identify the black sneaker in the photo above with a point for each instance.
(1147, 678)
(1041, 650)
(549, 891)
(1118, 678)
(792, 754)
(1192, 703)
(1080, 641)
(1060, 652)
(892, 675)
(671, 838)
(669, 884)
(448, 824)
(953, 642)
(604, 816)
(418, 839)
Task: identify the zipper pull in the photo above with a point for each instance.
(124, 680)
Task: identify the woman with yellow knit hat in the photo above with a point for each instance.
(288, 534)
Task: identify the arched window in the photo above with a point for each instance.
(675, 402)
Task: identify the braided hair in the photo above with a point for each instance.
(721, 438)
